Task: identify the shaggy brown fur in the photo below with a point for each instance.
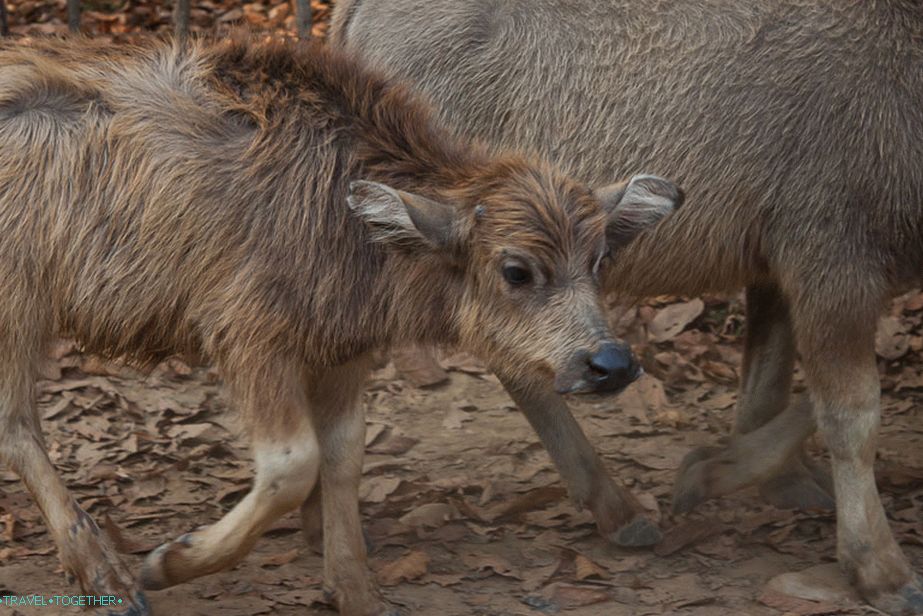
(282, 212)
(795, 125)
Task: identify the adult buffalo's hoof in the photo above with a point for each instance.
(798, 489)
(692, 479)
(369, 603)
(137, 605)
(380, 608)
(640, 532)
(905, 601)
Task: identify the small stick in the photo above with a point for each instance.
(303, 18)
(73, 15)
(181, 19)
(4, 20)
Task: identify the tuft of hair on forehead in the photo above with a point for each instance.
(532, 205)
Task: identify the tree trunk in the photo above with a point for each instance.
(303, 18)
(73, 15)
(4, 19)
(181, 19)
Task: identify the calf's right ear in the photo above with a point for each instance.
(636, 205)
(402, 218)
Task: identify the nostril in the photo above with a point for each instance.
(598, 372)
(611, 363)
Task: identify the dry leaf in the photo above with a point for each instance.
(306, 596)
(644, 401)
(821, 583)
(431, 515)
(125, 544)
(444, 579)
(673, 319)
(537, 577)
(491, 562)
(688, 533)
(455, 418)
(463, 362)
(409, 567)
(9, 527)
(528, 502)
(569, 596)
(891, 339)
(586, 568)
(276, 560)
(795, 606)
(376, 489)
(394, 444)
(373, 431)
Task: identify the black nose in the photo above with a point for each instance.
(612, 368)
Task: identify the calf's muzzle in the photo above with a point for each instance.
(611, 369)
(608, 370)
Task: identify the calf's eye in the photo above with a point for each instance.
(516, 275)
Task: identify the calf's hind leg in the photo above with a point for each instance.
(286, 456)
(86, 552)
(766, 448)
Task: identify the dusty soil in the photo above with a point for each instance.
(464, 512)
(463, 509)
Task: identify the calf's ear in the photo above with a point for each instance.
(403, 218)
(636, 205)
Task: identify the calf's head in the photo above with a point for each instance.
(523, 249)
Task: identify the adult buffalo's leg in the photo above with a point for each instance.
(758, 457)
(619, 516)
(312, 519)
(835, 330)
(766, 448)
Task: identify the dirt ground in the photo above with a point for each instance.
(464, 512)
(465, 515)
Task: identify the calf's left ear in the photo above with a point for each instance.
(403, 218)
(635, 205)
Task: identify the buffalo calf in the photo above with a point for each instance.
(284, 213)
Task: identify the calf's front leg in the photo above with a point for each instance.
(334, 398)
(618, 514)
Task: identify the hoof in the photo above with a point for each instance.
(691, 487)
(370, 545)
(638, 533)
(382, 609)
(797, 490)
(154, 574)
(820, 472)
(905, 601)
(372, 604)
